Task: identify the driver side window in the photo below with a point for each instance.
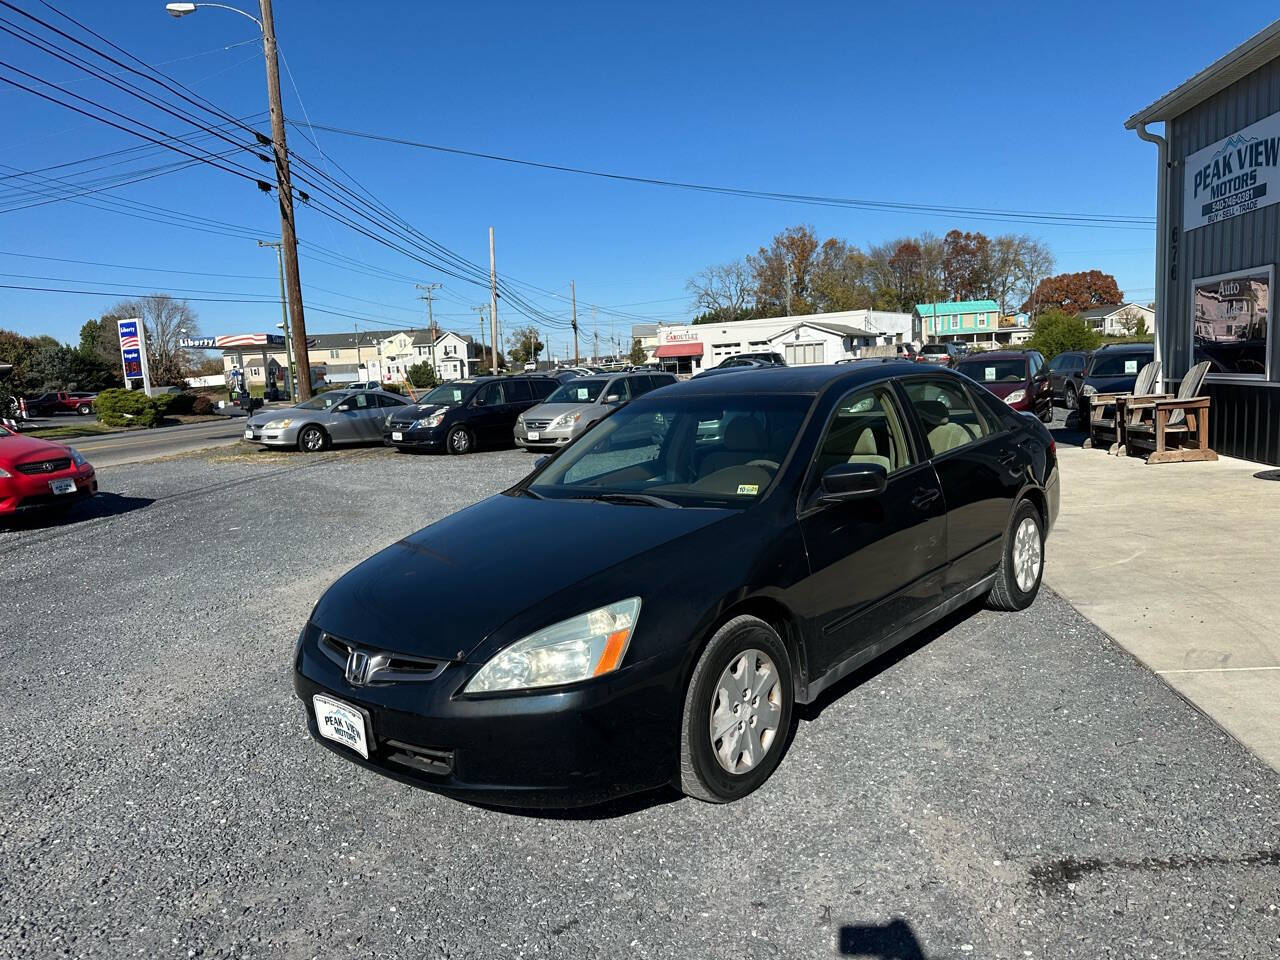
(865, 428)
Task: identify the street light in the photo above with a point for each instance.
(284, 191)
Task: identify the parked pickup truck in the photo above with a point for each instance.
(60, 401)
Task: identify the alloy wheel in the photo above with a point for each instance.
(746, 711)
(312, 440)
(459, 441)
(1027, 554)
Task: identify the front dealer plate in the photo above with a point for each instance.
(341, 723)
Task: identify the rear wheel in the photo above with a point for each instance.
(312, 439)
(459, 441)
(737, 712)
(1072, 401)
(1022, 562)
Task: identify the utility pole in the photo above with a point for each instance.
(482, 310)
(357, 329)
(284, 325)
(573, 299)
(284, 192)
(790, 282)
(427, 289)
(493, 301)
(595, 338)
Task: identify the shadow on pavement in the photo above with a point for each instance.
(606, 810)
(102, 505)
(894, 940)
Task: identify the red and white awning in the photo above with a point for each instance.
(693, 349)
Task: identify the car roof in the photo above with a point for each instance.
(1135, 347)
(996, 355)
(808, 379)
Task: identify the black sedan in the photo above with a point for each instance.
(650, 604)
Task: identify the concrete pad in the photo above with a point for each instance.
(1178, 563)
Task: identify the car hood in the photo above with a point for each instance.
(549, 411)
(1002, 390)
(441, 591)
(417, 411)
(16, 448)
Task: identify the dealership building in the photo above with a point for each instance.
(805, 340)
(1218, 240)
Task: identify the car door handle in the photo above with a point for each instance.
(924, 496)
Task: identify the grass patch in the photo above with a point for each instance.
(70, 433)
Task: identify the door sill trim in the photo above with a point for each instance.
(837, 673)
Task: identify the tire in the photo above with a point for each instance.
(312, 439)
(704, 767)
(84, 409)
(1021, 560)
(459, 441)
(1070, 400)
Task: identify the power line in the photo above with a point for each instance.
(1030, 216)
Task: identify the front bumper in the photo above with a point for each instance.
(573, 746)
(546, 439)
(23, 492)
(288, 437)
(421, 438)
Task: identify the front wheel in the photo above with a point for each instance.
(737, 712)
(458, 441)
(312, 440)
(1021, 563)
(83, 409)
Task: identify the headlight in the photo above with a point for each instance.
(432, 421)
(4, 474)
(76, 457)
(566, 420)
(276, 424)
(1088, 390)
(584, 646)
(1016, 397)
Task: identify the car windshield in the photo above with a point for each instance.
(449, 394)
(934, 348)
(326, 401)
(1118, 364)
(577, 391)
(995, 371)
(680, 451)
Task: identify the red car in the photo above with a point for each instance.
(36, 473)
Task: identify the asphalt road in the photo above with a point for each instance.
(1011, 786)
(118, 448)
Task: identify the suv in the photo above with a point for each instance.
(1018, 377)
(578, 404)
(1113, 369)
(1066, 375)
(461, 415)
(945, 354)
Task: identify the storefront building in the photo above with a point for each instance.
(1218, 241)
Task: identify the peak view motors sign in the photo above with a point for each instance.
(1233, 176)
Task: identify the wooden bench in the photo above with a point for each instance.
(1151, 423)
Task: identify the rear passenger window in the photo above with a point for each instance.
(518, 391)
(946, 414)
(640, 385)
(542, 388)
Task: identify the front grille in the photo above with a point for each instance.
(385, 667)
(537, 424)
(402, 424)
(44, 466)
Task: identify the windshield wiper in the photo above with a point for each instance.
(643, 499)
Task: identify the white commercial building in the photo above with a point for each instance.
(802, 341)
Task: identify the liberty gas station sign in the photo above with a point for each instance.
(1233, 176)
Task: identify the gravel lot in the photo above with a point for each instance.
(1010, 786)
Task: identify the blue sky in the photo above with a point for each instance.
(1013, 106)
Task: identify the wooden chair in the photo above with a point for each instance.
(1104, 431)
(1150, 423)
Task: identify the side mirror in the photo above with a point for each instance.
(612, 398)
(850, 481)
(343, 407)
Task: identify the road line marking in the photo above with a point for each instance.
(1217, 670)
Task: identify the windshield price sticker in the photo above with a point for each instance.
(989, 373)
(748, 489)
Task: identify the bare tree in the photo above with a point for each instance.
(725, 290)
(166, 322)
(1037, 264)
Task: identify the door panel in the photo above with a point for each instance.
(980, 468)
(875, 563)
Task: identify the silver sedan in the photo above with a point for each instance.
(335, 416)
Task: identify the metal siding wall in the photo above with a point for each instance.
(1246, 241)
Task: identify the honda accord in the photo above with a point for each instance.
(649, 605)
